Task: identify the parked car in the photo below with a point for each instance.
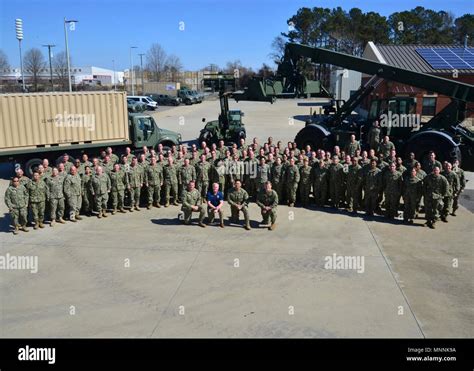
(135, 107)
(150, 103)
(165, 100)
(186, 97)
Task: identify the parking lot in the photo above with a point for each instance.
(144, 274)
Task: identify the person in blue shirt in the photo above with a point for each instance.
(215, 201)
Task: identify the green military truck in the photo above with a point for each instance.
(47, 125)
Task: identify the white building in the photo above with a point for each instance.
(344, 82)
(87, 75)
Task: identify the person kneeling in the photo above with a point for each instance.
(192, 203)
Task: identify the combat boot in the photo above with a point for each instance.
(157, 205)
(41, 225)
(36, 225)
(104, 213)
(72, 219)
(202, 225)
(99, 215)
(24, 229)
(167, 204)
(78, 217)
(15, 231)
(53, 222)
(247, 227)
(148, 207)
(175, 203)
(221, 225)
(444, 219)
(62, 221)
(122, 210)
(131, 209)
(114, 211)
(272, 227)
(137, 208)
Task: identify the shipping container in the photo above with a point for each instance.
(29, 121)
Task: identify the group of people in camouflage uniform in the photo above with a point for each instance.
(269, 174)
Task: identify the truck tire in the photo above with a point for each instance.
(314, 136)
(31, 165)
(440, 143)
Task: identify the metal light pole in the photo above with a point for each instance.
(49, 46)
(141, 69)
(131, 68)
(67, 51)
(19, 36)
(115, 80)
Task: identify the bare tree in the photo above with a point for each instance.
(278, 48)
(156, 61)
(34, 63)
(60, 69)
(173, 66)
(4, 65)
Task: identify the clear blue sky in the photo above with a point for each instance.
(216, 31)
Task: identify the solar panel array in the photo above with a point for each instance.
(448, 58)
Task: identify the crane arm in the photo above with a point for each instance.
(453, 89)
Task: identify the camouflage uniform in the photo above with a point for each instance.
(374, 138)
(435, 188)
(385, 148)
(453, 189)
(154, 180)
(263, 175)
(38, 192)
(265, 199)
(412, 189)
(251, 181)
(135, 182)
(305, 184)
(462, 185)
(277, 177)
(100, 187)
(56, 197)
(73, 192)
(392, 184)
(353, 191)
(336, 184)
(202, 177)
(16, 199)
(190, 199)
(235, 199)
(371, 184)
(170, 175)
(429, 165)
(87, 199)
(186, 174)
(320, 180)
(351, 148)
(118, 184)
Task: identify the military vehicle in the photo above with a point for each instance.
(228, 127)
(47, 125)
(444, 133)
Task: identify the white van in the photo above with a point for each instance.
(150, 103)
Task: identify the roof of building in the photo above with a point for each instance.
(405, 56)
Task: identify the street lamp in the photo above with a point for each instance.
(49, 46)
(19, 37)
(141, 69)
(67, 50)
(131, 68)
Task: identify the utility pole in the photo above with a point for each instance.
(49, 46)
(141, 69)
(131, 69)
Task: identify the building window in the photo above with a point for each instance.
(429, 107)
